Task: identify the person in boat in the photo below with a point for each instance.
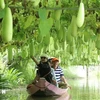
(53, 73)
(59, 72)
(44, 69)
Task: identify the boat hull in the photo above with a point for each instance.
(44, 88)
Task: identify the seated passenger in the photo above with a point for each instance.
(59, 72)
(53, 73)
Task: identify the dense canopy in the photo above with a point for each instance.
(49, 26)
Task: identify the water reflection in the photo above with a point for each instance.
(15, 94)
(39, 98)
(64, 96)
(43, 98)
(86, 89)
(81, 90)
(21, 94)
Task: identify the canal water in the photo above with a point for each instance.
(85, 90)
(81, 90)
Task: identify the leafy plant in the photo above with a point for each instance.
(3, 83)
(11, 78)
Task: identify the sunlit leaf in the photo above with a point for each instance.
(28, 21)
(45, 26)
(43, 13)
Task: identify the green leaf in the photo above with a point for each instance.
(50, 22)
(28, 21)
(43, 13)
(45, 26)
(46, 40)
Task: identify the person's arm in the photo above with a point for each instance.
(65, 81)
(35, 60)
(62, 76)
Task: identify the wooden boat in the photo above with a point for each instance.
(42, 88)
(65, 96)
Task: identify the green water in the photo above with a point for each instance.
(86, 90)
(81, 90)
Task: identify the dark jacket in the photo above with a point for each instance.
(44, 70)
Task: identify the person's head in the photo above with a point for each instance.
(44, 58)
(50, 61)
(55, 62)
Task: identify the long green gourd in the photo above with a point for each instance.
(80, 15)
(10, 54)
(2, 4)
(7, 25)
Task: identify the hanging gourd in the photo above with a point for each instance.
(10, 53)
(58, 12)
(80, 16)
(2, 4)
(7, 25)
(74, 26)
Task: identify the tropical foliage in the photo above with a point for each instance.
(49, 26)
(10, 78)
